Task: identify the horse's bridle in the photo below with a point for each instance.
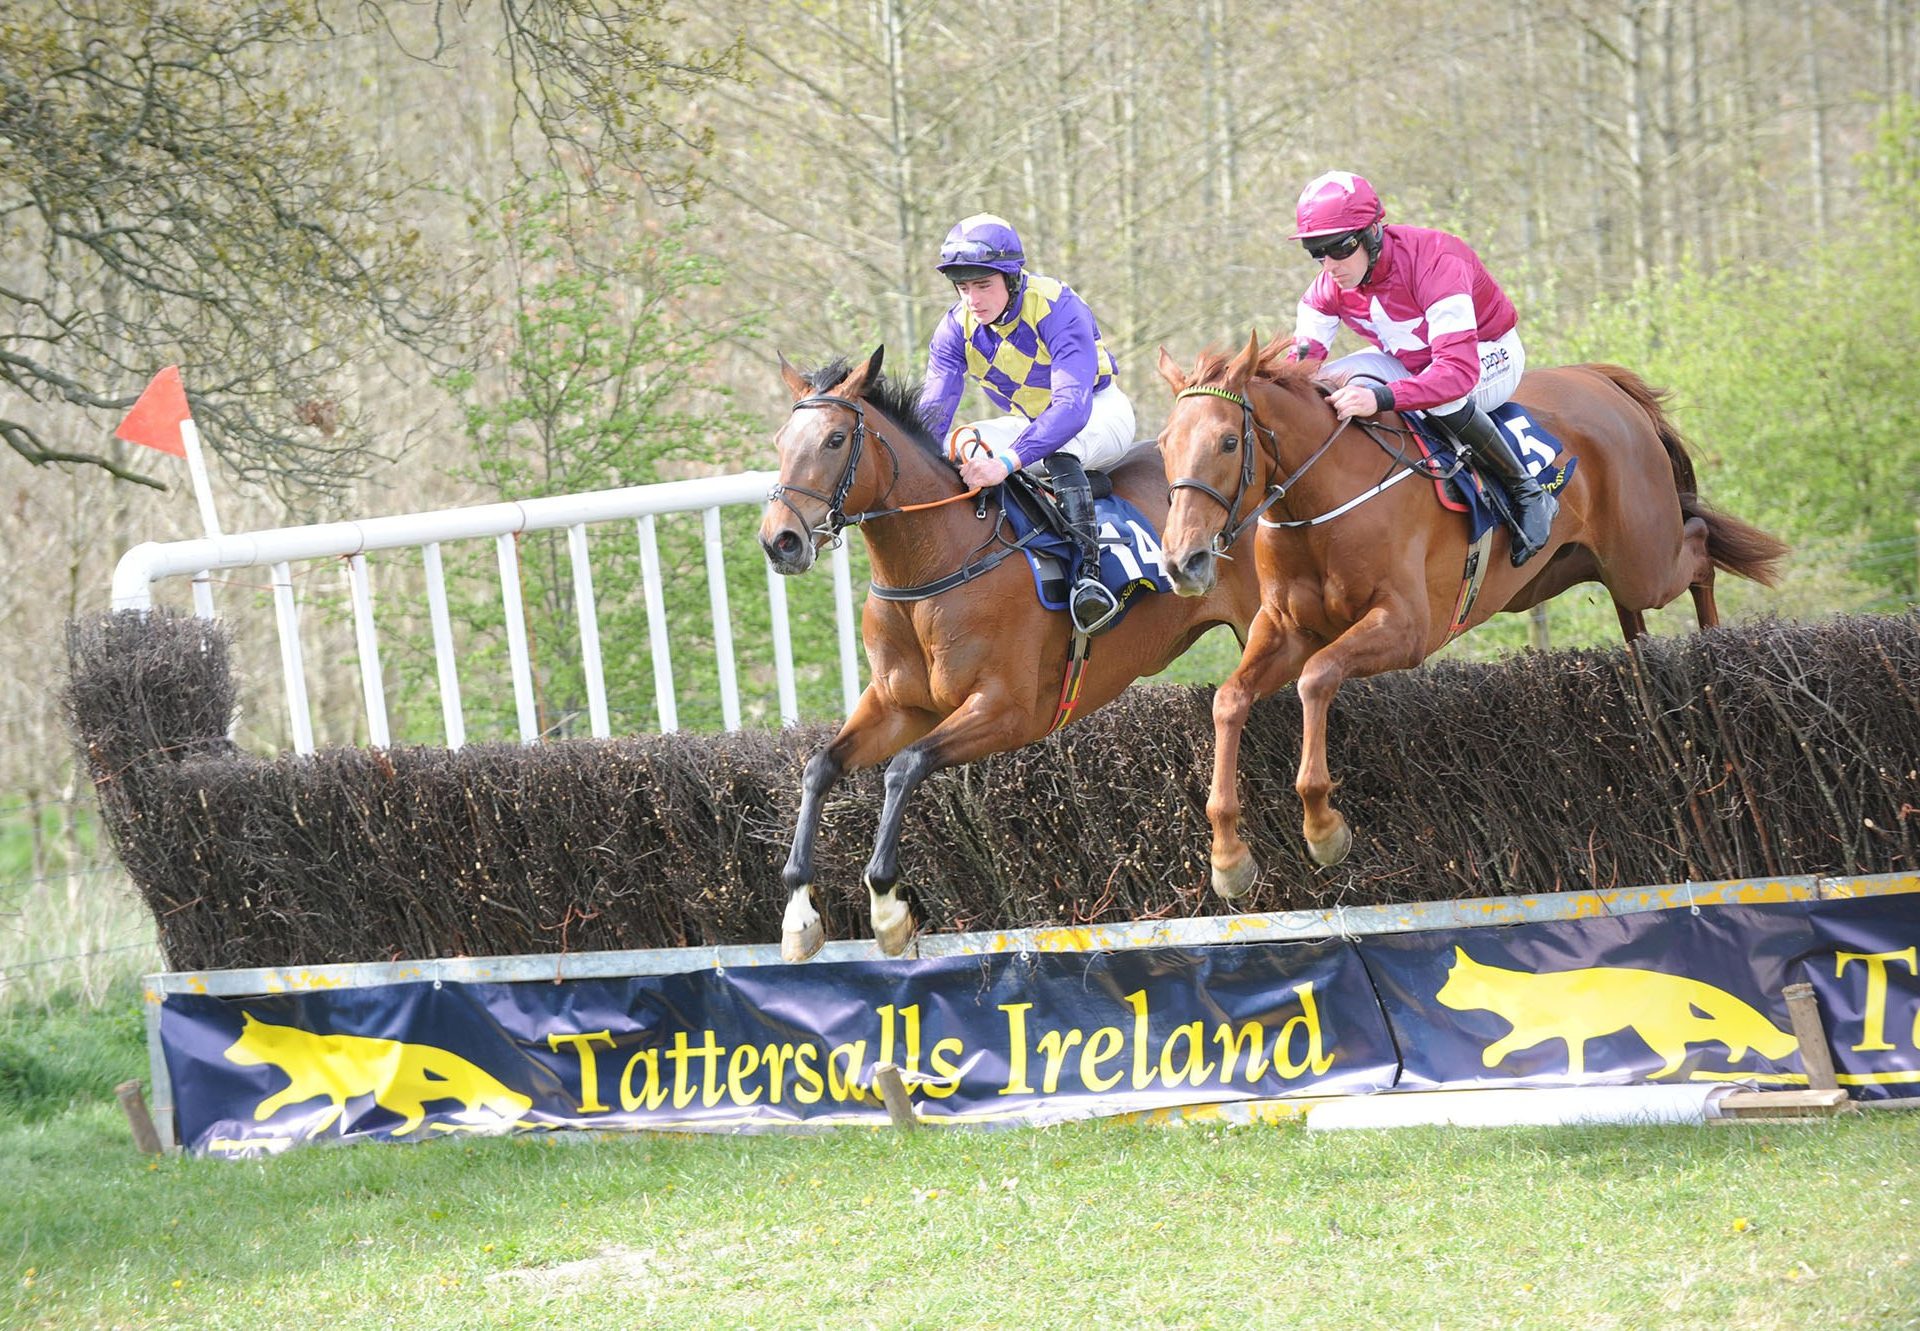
(1224, 539)
(838, 519)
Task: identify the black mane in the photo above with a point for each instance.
(895, 397)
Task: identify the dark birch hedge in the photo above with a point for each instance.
(1757, 750)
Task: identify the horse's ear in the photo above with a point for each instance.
(1171, 372)
(1243, 365)
(796, 383)
(855, 384)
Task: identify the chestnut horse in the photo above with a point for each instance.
(1360, 575)
(965, 660)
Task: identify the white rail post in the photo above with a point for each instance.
(589, 630)
(367, 644)
(286, 613)
(782, 647)
(843, 618)
(443, 657)
(663, 699)
(507, 547)
(722, 621)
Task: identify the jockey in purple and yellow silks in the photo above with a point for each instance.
(1034, 348)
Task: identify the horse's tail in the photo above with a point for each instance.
(1738, 547)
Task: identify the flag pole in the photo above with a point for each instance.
(162, 419)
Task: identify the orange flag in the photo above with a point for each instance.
(156, 417)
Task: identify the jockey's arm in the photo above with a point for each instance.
(1453, 339)
(1313, 327)
(946, 377)
(1067, 331)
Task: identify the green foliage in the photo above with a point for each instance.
(1797, 386)
(605, 381)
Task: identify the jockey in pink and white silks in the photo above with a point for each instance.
(1447, 335)
(1035, 349)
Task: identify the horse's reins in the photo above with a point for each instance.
(838, 519)
(1224, 539)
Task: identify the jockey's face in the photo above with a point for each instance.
(1347, 272)
(986, 297)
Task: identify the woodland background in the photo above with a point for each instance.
(418, 253)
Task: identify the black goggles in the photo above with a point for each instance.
(1331, 247)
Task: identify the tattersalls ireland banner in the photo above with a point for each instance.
(1031, 1037)
(1665, 997)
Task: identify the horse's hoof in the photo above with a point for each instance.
(801, 933)
(799, 944)
(1331, 850)
(892, 925)
(1234, 881)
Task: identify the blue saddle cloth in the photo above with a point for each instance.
(1131, 563)
(1467, 492)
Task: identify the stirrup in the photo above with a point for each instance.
(1101, 606)
(1524, 550)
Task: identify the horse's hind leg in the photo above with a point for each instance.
(982, 725)
(874, 731)
(1272, 659)
(1694, 547)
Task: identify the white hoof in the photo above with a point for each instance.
(801, 932)
(1331, 851)
(1234, 881)
(892, 923)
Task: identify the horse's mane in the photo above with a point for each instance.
(898, 398)
(1273, 367)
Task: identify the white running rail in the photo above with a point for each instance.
(144, 565)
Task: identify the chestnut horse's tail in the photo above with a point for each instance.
(1738, 547)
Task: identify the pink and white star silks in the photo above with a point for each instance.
(1429, 302)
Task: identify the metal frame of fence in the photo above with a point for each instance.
(278, 549)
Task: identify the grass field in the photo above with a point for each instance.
(1094, 1225)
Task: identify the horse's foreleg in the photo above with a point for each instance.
(982, 725)
(1273, 656)
(874, 731)
(1385, 638)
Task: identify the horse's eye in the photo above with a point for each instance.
(837, 438)
(1229, 442)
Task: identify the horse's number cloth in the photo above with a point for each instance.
(1131, 560)
(1465, 493)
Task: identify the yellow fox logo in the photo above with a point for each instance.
(401, 1077)
(1669, 1012)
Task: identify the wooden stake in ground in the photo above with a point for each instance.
(1815, 1056)
(893, 1094)
(144, 1134)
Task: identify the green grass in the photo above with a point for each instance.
(1093, 1224)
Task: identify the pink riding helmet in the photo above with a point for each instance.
(1335, 202)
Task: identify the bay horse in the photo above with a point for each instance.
(1360, 575)
(965, 661)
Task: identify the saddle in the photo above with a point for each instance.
(1131, 564)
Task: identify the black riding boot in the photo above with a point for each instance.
(1533, 508)
(1093, 607)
